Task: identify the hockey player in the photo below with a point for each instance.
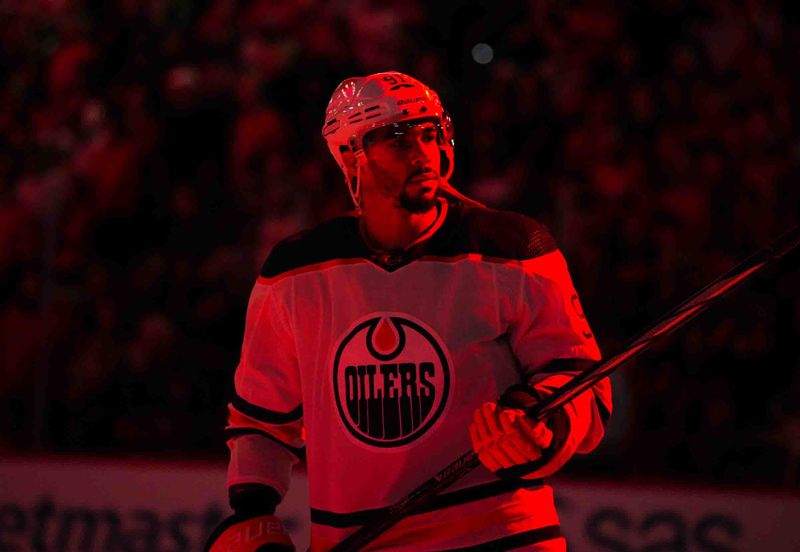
(380, 346)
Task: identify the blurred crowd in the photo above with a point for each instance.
(152, 151)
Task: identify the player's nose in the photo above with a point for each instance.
(419, 153)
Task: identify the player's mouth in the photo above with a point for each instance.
(427, 175)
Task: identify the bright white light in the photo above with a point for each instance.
(482, 53)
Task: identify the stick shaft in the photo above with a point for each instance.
(675, 319)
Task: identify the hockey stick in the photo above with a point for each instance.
(676, 318)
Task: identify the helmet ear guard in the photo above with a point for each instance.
(353, 183)
(446, 146)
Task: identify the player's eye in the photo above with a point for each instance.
(429, 136)
(398, 142)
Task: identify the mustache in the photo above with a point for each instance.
(421, 172)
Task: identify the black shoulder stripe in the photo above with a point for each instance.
(465, 230)
(331, 240)
(299, 453)
(462, 496)
(265, 415)
(512, 542)
(502, 234)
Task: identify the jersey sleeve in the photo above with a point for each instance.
(552, 340)
(265, 417)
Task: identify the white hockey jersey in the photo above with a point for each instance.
(371, 367)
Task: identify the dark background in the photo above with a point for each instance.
(152, 151)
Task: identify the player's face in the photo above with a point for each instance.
(405, 165)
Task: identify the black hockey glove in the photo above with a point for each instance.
(253, 527)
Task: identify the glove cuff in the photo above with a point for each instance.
(238, 533)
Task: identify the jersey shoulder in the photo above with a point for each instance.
(329, 241)
(505, 234)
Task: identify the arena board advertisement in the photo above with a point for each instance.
(100, 505)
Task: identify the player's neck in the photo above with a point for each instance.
(385, 227)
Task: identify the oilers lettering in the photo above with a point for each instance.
(390, 400)
(391, 380)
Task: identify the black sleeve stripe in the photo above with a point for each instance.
(573, 367)
(605, 413)
(463, 496)
(512, 542)
(265, 415)
(299, 453)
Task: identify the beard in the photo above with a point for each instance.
(417, 205)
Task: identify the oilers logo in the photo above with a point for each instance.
(391, 379)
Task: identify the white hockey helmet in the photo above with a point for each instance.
(362, 104)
